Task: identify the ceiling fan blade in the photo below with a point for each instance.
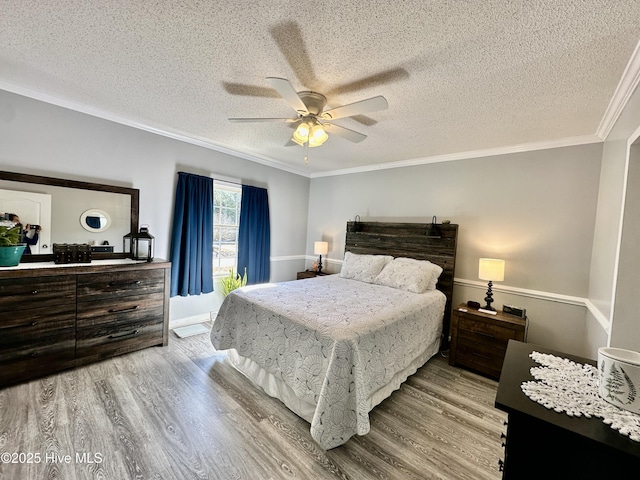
(246, 120)
(286, 91)
(343, 132)
(381, 78)
(248, 90)
(289, 39)
(357, 108)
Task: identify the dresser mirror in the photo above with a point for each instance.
(70, 211)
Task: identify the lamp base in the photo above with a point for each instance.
(320, 264)
(489, 298)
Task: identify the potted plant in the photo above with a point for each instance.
(231, 282)
(10, 248)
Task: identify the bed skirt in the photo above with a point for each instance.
(276, 388)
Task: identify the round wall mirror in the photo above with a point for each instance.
(95, 220)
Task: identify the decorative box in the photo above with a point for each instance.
(71, 253)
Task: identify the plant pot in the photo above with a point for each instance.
(10, 256)
(619, 377)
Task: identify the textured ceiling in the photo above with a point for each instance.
(459, 76)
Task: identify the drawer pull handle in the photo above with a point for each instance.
(124, 284)
(32, 292)
(483, 334)
(30, 324)
(480, 355)
(122, 335)
(128, 309)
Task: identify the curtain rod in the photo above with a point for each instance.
(219, 178)
(224, 180)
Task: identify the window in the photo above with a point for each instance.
(226, 217)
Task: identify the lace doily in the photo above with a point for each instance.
(572, 388)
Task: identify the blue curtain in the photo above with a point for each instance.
(192, 236)
(254, 235)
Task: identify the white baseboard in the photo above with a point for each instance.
(182, 322)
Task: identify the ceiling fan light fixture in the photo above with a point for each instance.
(301, 135)
(317, 136)
(299, 142)
(309, 107)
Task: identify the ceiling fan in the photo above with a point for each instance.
(313, 121)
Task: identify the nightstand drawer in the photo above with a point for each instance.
(480, 357)
(484, 332)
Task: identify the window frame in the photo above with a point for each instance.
(220, 270)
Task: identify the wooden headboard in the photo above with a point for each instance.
(410, 240)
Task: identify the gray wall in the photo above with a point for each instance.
(536, 210)
(614, 273)
(44, 139)
(625, 331)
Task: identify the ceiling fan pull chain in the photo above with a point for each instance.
(306, 153)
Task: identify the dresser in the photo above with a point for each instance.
(543, 444)
(479, 340)
(58, 317)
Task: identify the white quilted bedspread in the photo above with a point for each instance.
(333, 341)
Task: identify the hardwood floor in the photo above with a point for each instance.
(182, 412)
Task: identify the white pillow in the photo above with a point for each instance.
(436, 269)
(417, 276)
(364, 268)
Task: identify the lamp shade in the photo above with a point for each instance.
(317, 136)
(491, 269)
(320, 248)
(301, 135)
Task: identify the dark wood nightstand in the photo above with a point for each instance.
(479, 340)
(310, 274)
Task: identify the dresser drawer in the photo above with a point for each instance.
(102, 341)
(24, 327)
(40, 358)
(57, 346)
(100, 286)
(27, 293)
(119, 310)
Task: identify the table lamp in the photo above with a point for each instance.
(490, 269)
(320, 248)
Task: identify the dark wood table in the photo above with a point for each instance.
(544, 444)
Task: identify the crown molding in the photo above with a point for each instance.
(525, 147)
(489, 152)
(624, 90)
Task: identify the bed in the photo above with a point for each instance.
(332, 347)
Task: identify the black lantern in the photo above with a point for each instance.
(142, 244)
(126, 243)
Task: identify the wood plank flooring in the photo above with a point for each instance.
(182, 412)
